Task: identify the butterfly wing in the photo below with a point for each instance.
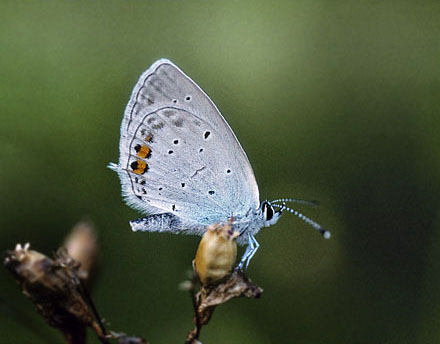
(178, 154)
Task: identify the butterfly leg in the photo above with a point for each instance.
(249, 253)
(256, 245)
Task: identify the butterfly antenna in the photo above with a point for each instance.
(325, 233)
(297, 200)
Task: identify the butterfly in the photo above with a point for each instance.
(181, 163)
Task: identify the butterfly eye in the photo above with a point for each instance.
(268, 212)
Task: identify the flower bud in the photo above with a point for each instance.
(216, 253)
(81, 245)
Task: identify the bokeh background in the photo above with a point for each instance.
(335, 101)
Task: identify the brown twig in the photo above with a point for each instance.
(57, 287)
(209, 297)
(195, 333)
(215, 258)
(52, 285)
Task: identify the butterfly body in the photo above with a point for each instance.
(181, 163)
(249, 224)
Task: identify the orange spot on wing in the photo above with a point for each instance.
(149, 138)
(143, 152)
(141, 167)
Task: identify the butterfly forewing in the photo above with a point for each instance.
(178, 154)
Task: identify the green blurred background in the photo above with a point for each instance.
(335, 101)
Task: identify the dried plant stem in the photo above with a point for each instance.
(57, 288)
(194, 334)
(97, 324)
(209, 297)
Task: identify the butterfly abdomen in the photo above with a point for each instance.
(166, 222)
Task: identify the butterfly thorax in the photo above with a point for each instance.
(255, 219)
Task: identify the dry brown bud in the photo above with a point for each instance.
(81, 244)
(52, 285)
(216, 254)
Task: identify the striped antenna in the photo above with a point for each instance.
(325, 233)
(297, 200)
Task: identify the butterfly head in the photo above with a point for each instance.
(270, 215)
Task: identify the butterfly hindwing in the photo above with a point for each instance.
(178, 154)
